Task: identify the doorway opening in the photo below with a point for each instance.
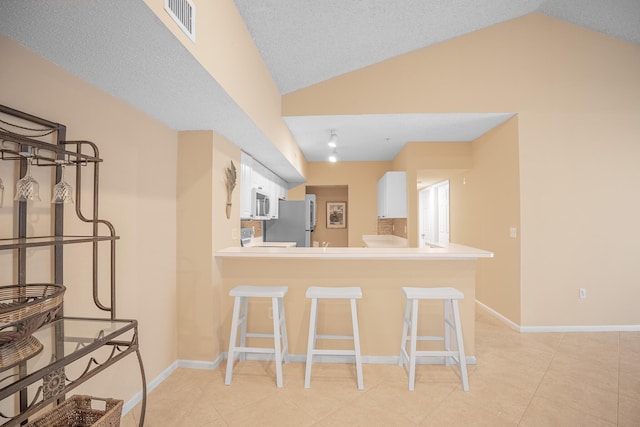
(434, 215)
(328, 199)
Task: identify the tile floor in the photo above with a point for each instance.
(555, 379)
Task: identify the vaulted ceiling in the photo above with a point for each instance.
(123, 49)
(306, 42)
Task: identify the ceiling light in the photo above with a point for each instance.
(333, 141)
(334, 156)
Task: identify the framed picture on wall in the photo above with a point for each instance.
(336, 215)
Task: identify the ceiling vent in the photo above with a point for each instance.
(184, 13)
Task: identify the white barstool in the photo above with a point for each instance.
(239, 320)
(450, 297)
(315, 293)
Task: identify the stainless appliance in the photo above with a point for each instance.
(296, 221)
(260, 204)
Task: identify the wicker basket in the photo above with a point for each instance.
(23, 310)
(77, 412)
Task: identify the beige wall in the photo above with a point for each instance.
(484, 205)
(226, 50)
(577, 97)
(203, 228)
(334, 237)
(137, 194)
(361, 178)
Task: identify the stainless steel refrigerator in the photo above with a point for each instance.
(296, 220)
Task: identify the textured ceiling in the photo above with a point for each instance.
(124, 49)
(306, 42)
(380, 137)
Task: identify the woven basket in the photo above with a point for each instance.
(23, 310)
(77, 412)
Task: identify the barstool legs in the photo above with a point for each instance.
(276, 339)
(235, 319)
(461, 353)
(351, 293)
(356, 344)
(280, 348)
(450, 297)
(311, 342)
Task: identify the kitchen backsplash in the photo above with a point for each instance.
(393, 226)
(257, 226)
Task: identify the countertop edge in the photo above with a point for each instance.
(453, 252)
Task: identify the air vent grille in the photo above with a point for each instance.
(183, 13)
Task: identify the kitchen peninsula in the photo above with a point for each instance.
(380, 272)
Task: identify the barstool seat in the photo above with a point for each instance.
(450, 297)
(350, 293)
(239, 320)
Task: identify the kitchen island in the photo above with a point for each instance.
(380, 272)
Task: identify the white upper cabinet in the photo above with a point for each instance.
(245, 185)
(254, 175)
(392, 195)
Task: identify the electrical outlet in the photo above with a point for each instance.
(582, 293)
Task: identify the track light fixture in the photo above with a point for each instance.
(333, 140)
(333, 157)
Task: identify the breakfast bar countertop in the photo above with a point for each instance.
(449, 252)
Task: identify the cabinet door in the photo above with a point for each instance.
(246, 183)
(392, 195)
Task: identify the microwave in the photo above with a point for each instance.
(260, 204)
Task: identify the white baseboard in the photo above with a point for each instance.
(202, 364)
(579, 328)
(567, 328)
(302, 358)
(499, 316)
(137, 398)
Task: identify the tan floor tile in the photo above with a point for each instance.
(628, 412)
(551, 413)
(128, 420)
(274, 410)
(630, 380)
(363, 412)
(384, 374)
(587, 372)
(580, 395)
(508, 402)
(602, 346)
(508, 373)
(338, 373)
(332, 385)
(547, 380)
(630, 342)
(460, 413)
(414, 405)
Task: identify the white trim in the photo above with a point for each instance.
(578, 328)
(566, 328)
(137, 398)
(499, 316)
(373, 360)
(202, 364)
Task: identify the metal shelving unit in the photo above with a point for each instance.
(33, 382)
